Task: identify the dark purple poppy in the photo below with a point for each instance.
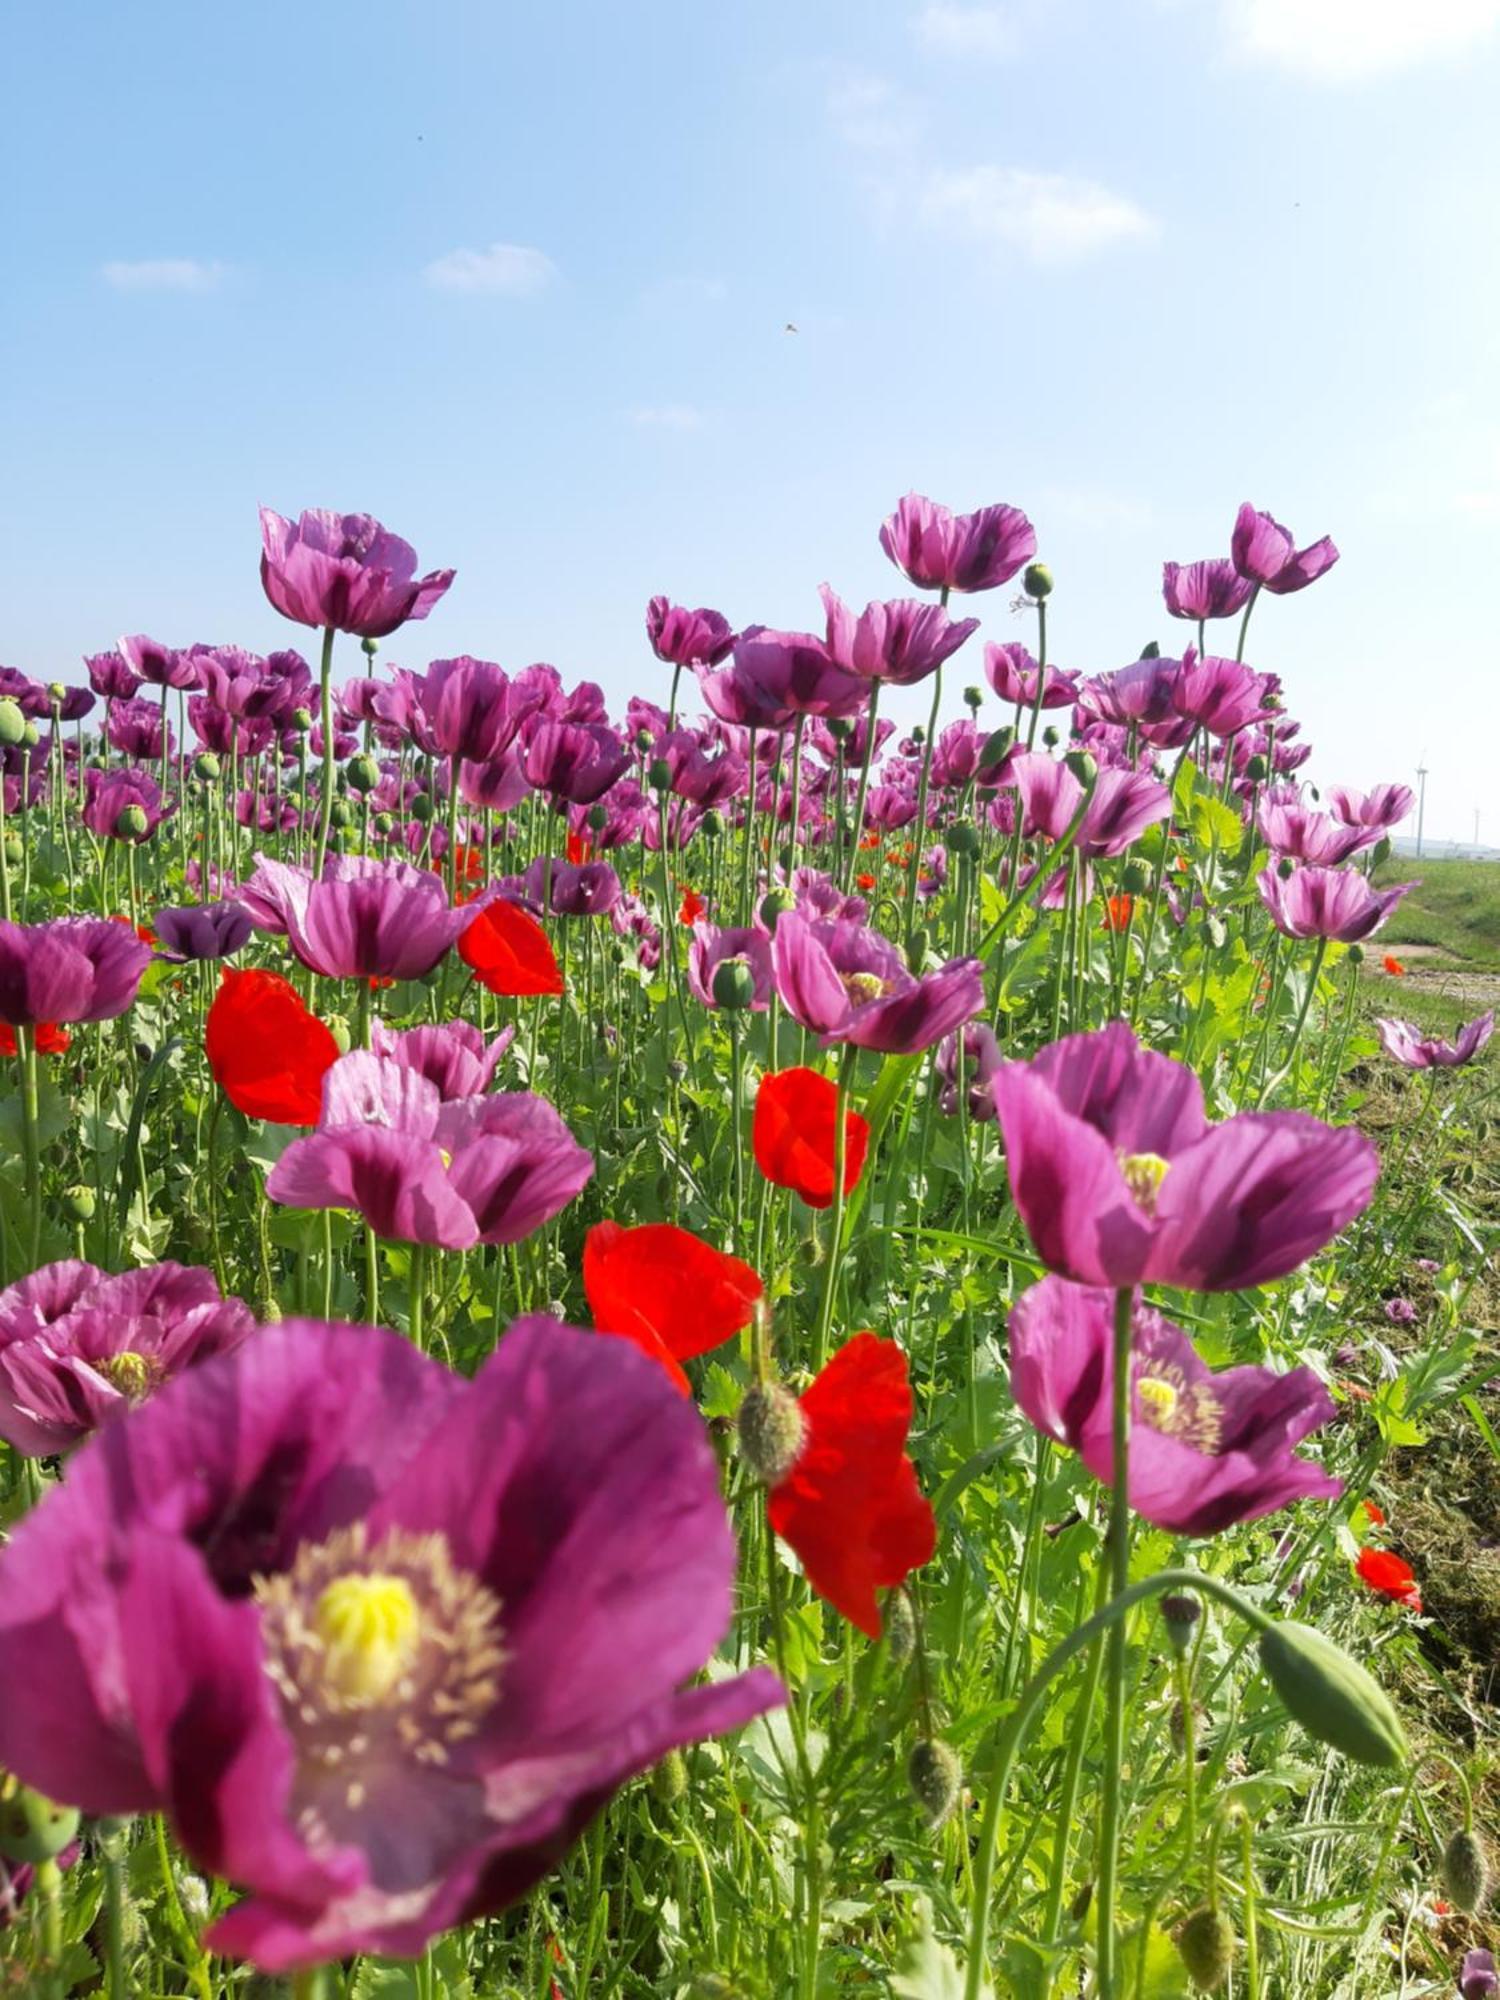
(122, 805)
(575, 761)
(1203, 590)
(136, 729)
(587, 889)
(197, 931)
(161, 666)
(467, 709)
(344, 571)
(848, 984)
(111, 675)
(684, 638)
(899, 640)
(1263, 552)
(73, 969)
(936, 549)
(361, 918)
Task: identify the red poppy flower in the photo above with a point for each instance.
(1118, 910)
(1386, 1573)
(869, 840)
(266, 1051)
(865, 882)
(667, 1290)
(793, 1135)
(580, 848)
(51, 1040)
(1394, 966)
(692, 909)
(508, 951)
(851, 1506)
(1374, 1516)
(143, 931)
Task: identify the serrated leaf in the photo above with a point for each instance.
(927, 1969)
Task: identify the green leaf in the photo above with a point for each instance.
(927, 1969)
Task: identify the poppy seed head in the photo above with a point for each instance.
(936, 1778)
(1205, 1944)
(772, 1430)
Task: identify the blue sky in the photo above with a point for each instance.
(516, 280)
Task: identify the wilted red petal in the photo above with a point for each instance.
(508, 951)
(851, 1506)
(667, 1290)
(793, 1135)
(266, 1051)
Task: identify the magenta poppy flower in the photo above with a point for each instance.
(1297, 833)
(78, 1348)
(1121, 1180)
(790, 671)
(344, 571)
(481, 1169)
(899, 640)
(1138, 693)
(111, 675)
(1208, 1447)
(684, 638)
(361, 919)
(849, 984)
(936, 549)
(287, 1602)
(72, 705)
(1222, 696)
(73, 969)
(199, 931)
(1012, 672)
(109, 796)
(136, 729)
(1382, 808)
(1326, 902)
(712, 947)
(956, 755)
(1477, 1978)
(818, 895)
(454, 1058)
(979, 1060)
(161, 666)
(1406, 1044)
(467, 708)
(1264, 554)
(575, 761)
(566, 888)
(1203, 590)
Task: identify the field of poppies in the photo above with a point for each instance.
(723, 1350)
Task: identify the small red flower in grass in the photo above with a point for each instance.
(667, 1290)
(51, 1040)
(580, 849)
(266, 1051)
(1374, 1516)
(1394, 966)
(1387, 1574)
(865, 882)
(793, 1135)
(851, 1506)
(692, 909)
(143, 931)
(508, 951)
(1118, 910)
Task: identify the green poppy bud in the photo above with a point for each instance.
(14, 854)
(420, 807)
(1151, 650)
(733, 984)
(974, 699)
(1356, 954)
(997, 747)
(669, 1780)
(1083, 767)
(659, 775)
(1332, 1696)
(1382, 852)
(384, 824)
(1205, 1943)
(963, 837)
(1180, 1613)
(369, 647)
(133, 823)
(644, 739)
(712, 824)
(302, 719)
(898, 1626)
(12, 722)
(918, 733)
(1037, 582)
(338, 1027)
(340, 813)
(30, 736)
(936, 1778)
(1466, 1872)
(206, 766)
(775, 903)
(1135, 878)
(840, 728)
(363, 774)
(1051, 736)
(33, 1828)
(771, 1431)
(56, 692)
(80, 1203)
(916, 951)
(597, 818)
(1257, 769)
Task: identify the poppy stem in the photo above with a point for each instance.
(418, 1284)
(325, 801)
(864, 786)
(1118, 1545)
(30, 1146)
(915, 870)
(836, 1214)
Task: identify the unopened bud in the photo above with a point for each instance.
(1037, 582)
(419, 805)
(898, 1627)
(56, 692)
(644, 739)
(936, 1777)
(14, 852)
(963, 837)
(369, 646)
(916, 951)
(771, 1431)
(669, 1780)
(597, 818)
(338, 1026)
(775, 904)
(733, 985)
(1180, 1613)
(1151, 650)
(1135, 878)
(1382, 852)
(33, 1828)
(363, 774)
(974, 698)
(712, 824)
(30, 736)
(1466, 1872)
(1256, 769)
(1083, 767)
(384, 823)
(339, 813)
(302, 719)
(12, 722)
(659, 775)
(1356, 954)
(1205, 1943)
(1332, 1696)
(1051, 736)
(80, 1203)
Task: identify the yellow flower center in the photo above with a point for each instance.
(131, 1373)
(370, 1628)
(1144, 1174)
(1167, 1402)
(1159, 1398)
(863, 987)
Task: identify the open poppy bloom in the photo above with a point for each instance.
(667, 1290)
(851, 1506)
(1389, 1576)
(51, 1040)
(508, 952)
(1393, 966)
(580, 849)
(692, 909)
(793, 1135)
(1118, 910)
(268, 1053)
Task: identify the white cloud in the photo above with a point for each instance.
(1348, 41)
(509, 270)
(872, 115)
(665, 417)
(162, 274)
(1052, 218)
(945, 29)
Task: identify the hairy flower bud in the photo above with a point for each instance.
(1180, 1613)
(1205, 1944)
(974, 698)
(712, 824)
(669, 1780)
(1083, 767)
(1332, 1696)
(1051, 736)
(936, 1778)
(1466, 1872)
(771, 1431)
(899, 1627)
(659, 775)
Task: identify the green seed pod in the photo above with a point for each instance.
(30, 736)
(33, 1828)
(669, 1780)
(1356, 954)
(974, 699)
(56, 692)
(1037, 582)
(1256, 770)
(644, 739)
(963, 837)
(1332, 1696)
(1466, 1872)
(659, 775)
(733, 984)
(14, 852)
(775, 903)
(206, 766)
(1151, 650)
(419, 806)
(1135, 878)
(384, 824)
(369, 647)
(133, 823)
(898, 1627)
(771, 1431)
(1206, 1944)
(597, 818)
(1051, 736)
(338, 1027)
(302, 719)
(12, 722)
(340, 814)
(80, 1203)
(1083, 767)
(363, 774)
(1180, 1613)
(936, 1778)
(711, 826)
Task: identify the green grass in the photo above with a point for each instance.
(1455, 908)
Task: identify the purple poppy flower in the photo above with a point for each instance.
(344, 570)
(849, 984)
(79, 1348)
(288, 1602)
(454, 1058)
(494, 786)
(575, 761)
(202, 931)
(956, 754)
(590, 889)
(73, 969)
(1202, 590)
(899, 640)
(684, 638)
(136, 729)
(936, 549)
(1012, 672)
(1477, 1978)
(1223, 696)
(1384, 807)
(890, 807)
(110, 795)
(1121, 1180)
(161, 666)
(482, 1169)
(1326, 902)
(1405, 1044)
(1400, 1312)
(467, 709)
(818, 895)
(1299, 834)
(980, 1062)
(1138, 693)
(72, 705)
(629, 918)
(711, 947)
(1208, 1447)
(703, 773)
(790, 671)
(1263, 552)
(361, 919)
(111, 675)
(229, 735)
